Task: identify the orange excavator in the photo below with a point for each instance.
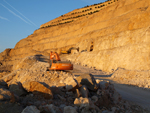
(56, 63)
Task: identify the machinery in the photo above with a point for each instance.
(69, 50)
(56, 63)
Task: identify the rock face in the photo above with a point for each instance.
(109, 35)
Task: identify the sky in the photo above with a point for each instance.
(20, 18)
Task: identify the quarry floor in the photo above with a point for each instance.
(133, 94)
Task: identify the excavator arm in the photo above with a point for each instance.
(54, 56)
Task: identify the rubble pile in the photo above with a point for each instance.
(132, 77)
(32, 89)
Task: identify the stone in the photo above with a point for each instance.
(85, 105)
(5, 94)
(70, 93)
(31, 109)
(69, 109)
(2, 83)
(84, 91)
(104, 84)
(56, 90)
(62, 106)
(61, 98)
(88, 80)
(17, 88)
(78, 94)
(38, 89)
(116, 97)
(94, 99)
(82, 102)
(71, 84)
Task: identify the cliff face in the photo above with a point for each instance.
(117, 30)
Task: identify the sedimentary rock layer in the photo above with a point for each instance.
(118, 32)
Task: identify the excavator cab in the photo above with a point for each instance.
(56, 63)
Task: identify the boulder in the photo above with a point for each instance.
(84, 91)
(82, 102)
(17, 88)
(38, 89)
(3, 84)
(5, 94)
(94, 99)
(71, 84)
(86, 106)
(56, 90)
(104, 84)
(69, 109)
(31, 109)
(88, 80)
(116, 97)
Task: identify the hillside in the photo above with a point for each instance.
(112, 46)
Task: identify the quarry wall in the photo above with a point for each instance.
(118, 32)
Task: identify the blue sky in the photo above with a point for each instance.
(20, 18)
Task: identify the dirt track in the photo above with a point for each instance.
(132, 94)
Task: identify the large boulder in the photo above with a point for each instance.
(71, 84)
(17, 88)
(38, 89)
(87, 80)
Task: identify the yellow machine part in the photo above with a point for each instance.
(64, 52)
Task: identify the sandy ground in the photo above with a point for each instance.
(135, 95)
